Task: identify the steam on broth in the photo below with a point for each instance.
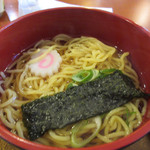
(26, 82)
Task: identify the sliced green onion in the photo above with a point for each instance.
(82, 76)
(71, 85)
(105, 72)
(96, 74)
(108, 71)
(79, 126)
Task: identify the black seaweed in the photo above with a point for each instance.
(78, 103)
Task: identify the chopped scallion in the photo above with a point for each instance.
(82, 76)
(75, 142)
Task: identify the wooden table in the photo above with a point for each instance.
(135, 10)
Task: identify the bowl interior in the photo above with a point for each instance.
(109, 28)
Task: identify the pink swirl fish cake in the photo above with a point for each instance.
(48, 65)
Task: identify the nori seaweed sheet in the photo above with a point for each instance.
(78, 103)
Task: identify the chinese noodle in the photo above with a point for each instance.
(21, 86)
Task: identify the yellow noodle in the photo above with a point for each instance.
(9, 80)
(19, 129)
(8, 124)
(137, 104)
(59, 137)
(21, 86)
(3, 75)
(11, 96)
(1, 90)
(121, 121)
(111, 113)
(43, 141)
(105, 139)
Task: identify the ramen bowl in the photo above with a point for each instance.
(107, 27)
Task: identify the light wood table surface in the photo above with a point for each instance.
(135, 10)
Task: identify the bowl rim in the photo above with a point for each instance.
(26, 144)
(23, 143)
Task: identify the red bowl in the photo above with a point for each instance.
(107, 27)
